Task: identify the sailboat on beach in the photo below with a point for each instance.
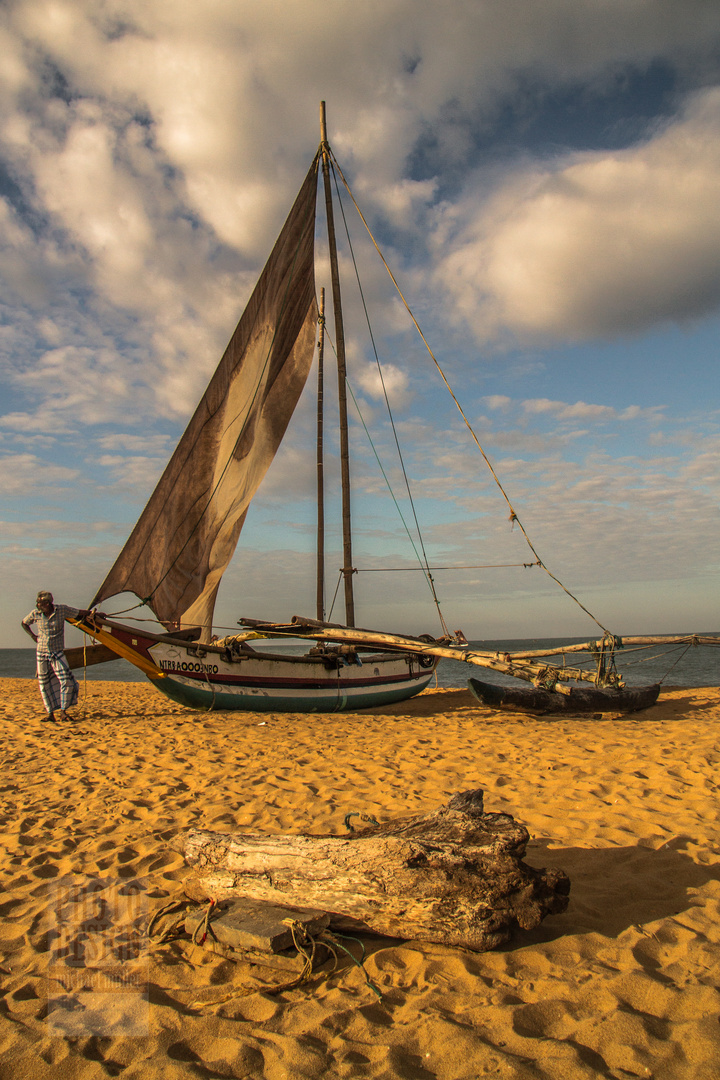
(182, 544)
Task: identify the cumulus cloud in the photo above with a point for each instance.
(19, 535)
(394, 382)
(73, 385)
(497, 401)
(133, 443)
(154, 155)
(598, 244)
(290, 478)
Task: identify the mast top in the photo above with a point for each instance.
(323, 125)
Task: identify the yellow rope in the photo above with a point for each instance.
(304, 941)
(203, 924)
(84, 700)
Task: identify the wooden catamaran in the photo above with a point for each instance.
(181, 546)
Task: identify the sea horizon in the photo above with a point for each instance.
(675, 665)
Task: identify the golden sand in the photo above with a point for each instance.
(625, 984)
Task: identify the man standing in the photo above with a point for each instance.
(58, 686)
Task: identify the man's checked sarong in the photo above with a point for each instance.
(58, 686)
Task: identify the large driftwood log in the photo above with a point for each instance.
(454, 876)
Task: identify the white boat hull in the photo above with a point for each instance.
(210, 678)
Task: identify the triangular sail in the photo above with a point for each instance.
(186, 535)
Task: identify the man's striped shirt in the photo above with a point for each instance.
(51, 628)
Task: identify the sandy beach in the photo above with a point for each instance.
(626, 983)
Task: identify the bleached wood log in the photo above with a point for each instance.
(454, 876)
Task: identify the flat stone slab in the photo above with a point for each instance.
(256, 925)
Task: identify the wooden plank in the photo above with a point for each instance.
(503, 662)
(291, 962)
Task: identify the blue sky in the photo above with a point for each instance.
(544, 179)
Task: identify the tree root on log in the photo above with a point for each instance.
(454, 876)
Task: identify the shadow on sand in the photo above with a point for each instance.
(615, 888)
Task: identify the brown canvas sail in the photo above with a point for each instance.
(186, 535)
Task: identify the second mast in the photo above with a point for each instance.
(347, 568)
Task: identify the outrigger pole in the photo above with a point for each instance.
(519, 665)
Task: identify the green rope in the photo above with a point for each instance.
(326, 936)
(363, 817)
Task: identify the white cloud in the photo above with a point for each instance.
(597, 244)
(394, 381)
(133, 443)
(139, 473)
(291, 477)
(26, 474)
(67, 531)
(27, 424)
(73, 385)
(156, 175)
(497, 401)
(583, 410)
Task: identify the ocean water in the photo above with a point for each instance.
(20, 664)
(672, 664)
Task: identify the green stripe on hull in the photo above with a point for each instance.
(207, 700)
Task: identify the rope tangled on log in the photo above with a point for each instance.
(306, 944)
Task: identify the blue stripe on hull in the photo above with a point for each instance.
(205, 697)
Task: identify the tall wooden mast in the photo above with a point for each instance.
(347, 568)
(320, 577)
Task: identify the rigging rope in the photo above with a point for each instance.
(421, 566)
(657, 656)
(682, 654)
(332, 606)
(513, 517)
(397, 507)
(424, 561)
(471, 566)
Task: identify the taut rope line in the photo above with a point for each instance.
(513, 515)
